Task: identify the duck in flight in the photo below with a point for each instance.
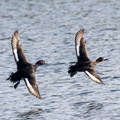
(84, 64)
(25, 70)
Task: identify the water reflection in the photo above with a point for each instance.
(92, 109)
(31, 114)
(93, 106)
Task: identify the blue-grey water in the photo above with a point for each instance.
(47, 29)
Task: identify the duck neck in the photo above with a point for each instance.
(35, 67)
(95, 63)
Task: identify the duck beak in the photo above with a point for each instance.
(105, 59)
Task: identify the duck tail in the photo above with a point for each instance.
(72, 70)
(15, 77)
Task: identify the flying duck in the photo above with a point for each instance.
(84, 64)
(25, 70)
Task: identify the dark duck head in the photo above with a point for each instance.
(100, 59)
(40, 62)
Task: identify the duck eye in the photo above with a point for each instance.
(43, 61)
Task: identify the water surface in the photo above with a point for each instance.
(47, 30)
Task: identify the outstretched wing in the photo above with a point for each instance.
(32, 86)
(17, 49)
(80, 46)
(94, 76)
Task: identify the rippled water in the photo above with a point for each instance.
(47, 29)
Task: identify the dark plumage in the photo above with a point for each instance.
(25, 70)
(84, 64)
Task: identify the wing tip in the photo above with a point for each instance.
(14, 40)
(81, 30)
(39, 97)
(36, 93)
(16, 32)
(100, 82)
(33, 89)
(15, 35)
(80, 34)
(95, 79)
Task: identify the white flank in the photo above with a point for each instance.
(92, 77)
(16, 55)
(29, 85)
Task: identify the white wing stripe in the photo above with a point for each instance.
(16, 55)
(77, 47)
(29, 85)
(92, 77)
